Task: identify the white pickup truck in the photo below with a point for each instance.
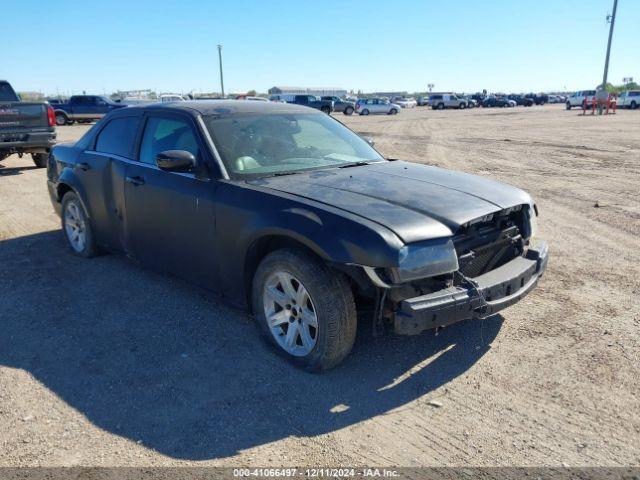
(629, 99)
(577, 98)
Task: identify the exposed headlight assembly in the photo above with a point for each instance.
(425, 259)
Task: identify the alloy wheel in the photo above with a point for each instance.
(74, 226)
(290, 314)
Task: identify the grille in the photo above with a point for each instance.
(490, 244)
(488, 258)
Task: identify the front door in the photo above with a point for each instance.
(170, 216)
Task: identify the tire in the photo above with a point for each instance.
(328, 299)
(463, 106)
(73, 213)
(393, 111)
(568, 106)
(326, 110)
(364, 112)
(40, 159)
(441, 106)
(348, 111)
(61, 119)
(633, 105)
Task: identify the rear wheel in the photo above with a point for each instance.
(441, 106)
(633, 105)
(364, 112)
(305, 309)
(348, 111)
(40, 159)
(61, 119)
(76, 227)
(568, 106)
(393, 111)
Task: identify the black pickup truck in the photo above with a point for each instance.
(312, 101)
(25, 127)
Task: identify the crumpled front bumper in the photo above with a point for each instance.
(492, 292)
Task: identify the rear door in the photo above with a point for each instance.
(170, 216)
(101, 170)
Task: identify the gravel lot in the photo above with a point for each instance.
(104, 363)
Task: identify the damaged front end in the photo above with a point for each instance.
(496, 264)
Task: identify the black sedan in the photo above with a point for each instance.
(284, 210)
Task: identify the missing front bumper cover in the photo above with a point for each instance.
(492, 292)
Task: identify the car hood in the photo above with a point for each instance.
(415, 201)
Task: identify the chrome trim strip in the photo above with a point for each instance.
(139, 164)
(212, 146)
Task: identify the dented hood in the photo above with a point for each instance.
(417, 202)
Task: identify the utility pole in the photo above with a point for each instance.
(221, 77)
(612, 19)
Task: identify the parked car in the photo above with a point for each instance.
(538, 98)
(577, 99)
(25, 127)
(366, 106)
(293, 215)
(312, 101)
(471, 102)
(340, 105)
(423, 101)
(449, 100)
(629, 99)
(171, 97)
(498, 101)
(405, 102)
(521, 100)
(84, 108)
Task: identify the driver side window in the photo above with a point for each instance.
(161, 134)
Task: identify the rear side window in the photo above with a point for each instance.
(118, 136)
(163, 134)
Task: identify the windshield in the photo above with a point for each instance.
(252, 145)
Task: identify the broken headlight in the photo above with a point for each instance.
(425, 259)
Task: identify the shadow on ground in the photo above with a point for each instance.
(6, 171)
(153, 359)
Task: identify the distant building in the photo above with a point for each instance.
(389, 94)
(318, 92)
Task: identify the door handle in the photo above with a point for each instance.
(136, 181)
(83, 166)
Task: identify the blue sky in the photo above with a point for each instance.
(463, 45)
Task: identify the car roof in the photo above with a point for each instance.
(217, 107)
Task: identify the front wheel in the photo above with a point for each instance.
(393, 111)
(40, 159)
(76, 227)
(348, 111)
(463, 106)
(364, 112)
(633, 105)
(305, 309)
(568, 106)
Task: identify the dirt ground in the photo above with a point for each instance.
(104, 363)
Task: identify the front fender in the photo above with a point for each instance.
(245, 215)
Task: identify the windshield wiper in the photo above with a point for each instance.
(354, 164)
(282, 174)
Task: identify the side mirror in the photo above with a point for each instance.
(369, 141)
(176, 160)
